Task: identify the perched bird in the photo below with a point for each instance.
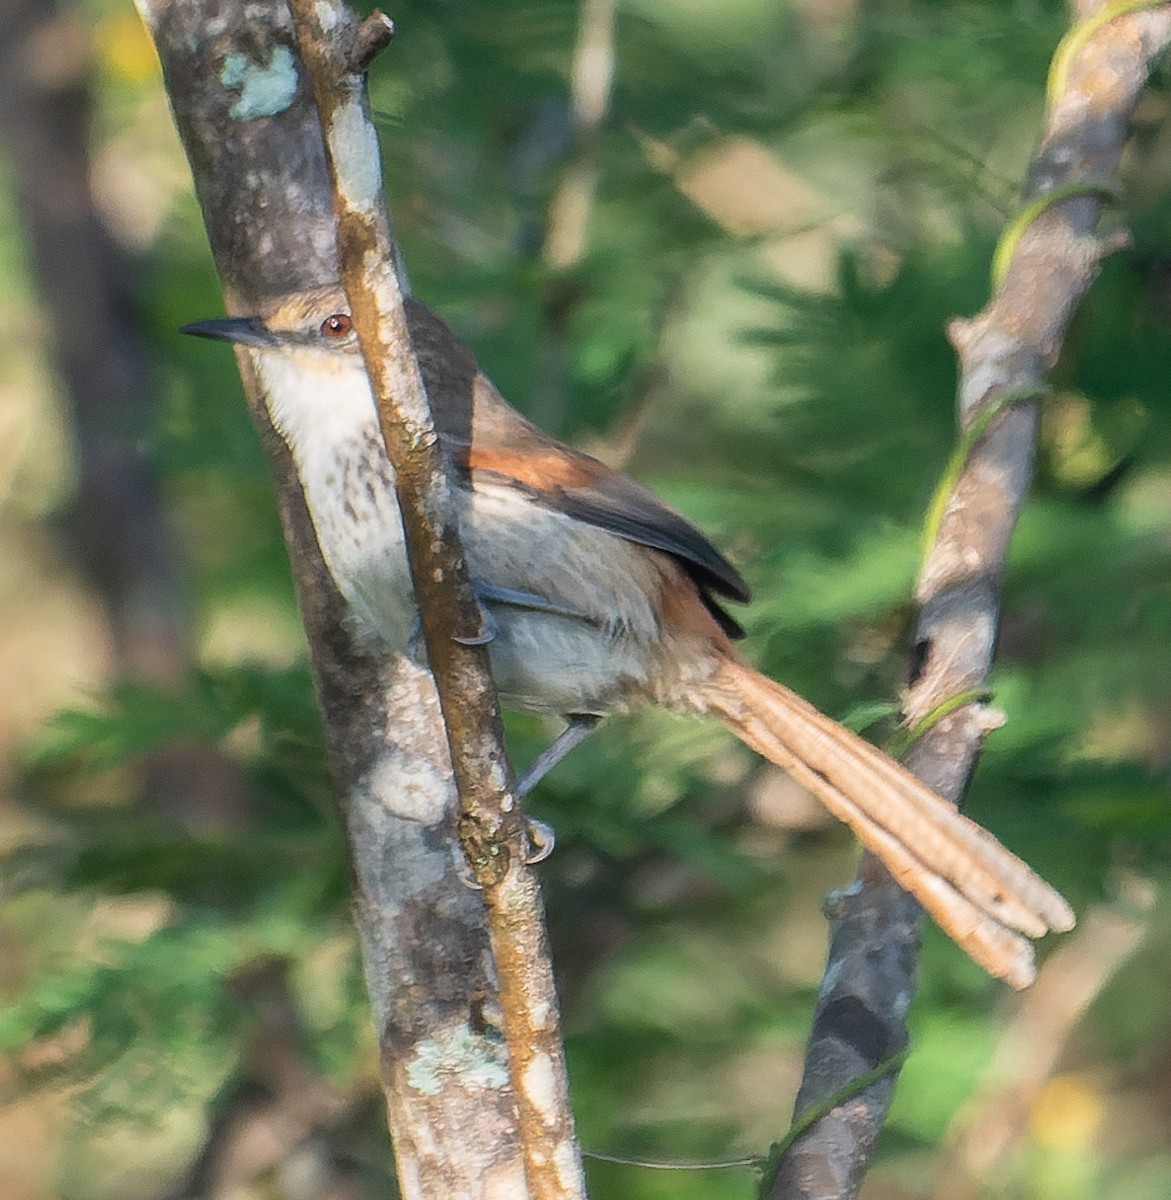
(600, 598)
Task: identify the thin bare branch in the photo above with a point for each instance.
(491, 825)
(1004, 355)
(591, 75)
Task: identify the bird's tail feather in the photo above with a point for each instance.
(982, 895)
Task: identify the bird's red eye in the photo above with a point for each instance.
(336, 326)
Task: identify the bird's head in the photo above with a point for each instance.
(310, 368)
(317, 322)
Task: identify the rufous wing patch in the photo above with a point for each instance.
(546, 469)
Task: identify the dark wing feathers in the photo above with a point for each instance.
(581, 487)
(618, 504)
(485, 434)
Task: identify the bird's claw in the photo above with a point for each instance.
(542, 840)
(463, 869)
(485, 634)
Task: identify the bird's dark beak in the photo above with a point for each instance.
(247, 331)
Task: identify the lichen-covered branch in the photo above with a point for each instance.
(252, 133)
(1005, 353)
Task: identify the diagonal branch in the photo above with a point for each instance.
(336, 51)
(1052, 257)
(994, 1122)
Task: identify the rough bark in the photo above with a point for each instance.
(1004, 355)
(252, 133)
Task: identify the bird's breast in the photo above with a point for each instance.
(328, 420)
(595, 639)
(349, 489)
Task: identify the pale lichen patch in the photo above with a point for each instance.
(541, 1010)
(457, 1054)
(354, 147)
(540, 1084)
(568, 1165)
(265, 89)
(405, 786)
(328, 15)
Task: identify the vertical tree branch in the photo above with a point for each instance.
(1052, 257)
(591, 76)
(336, 51)
(254, 139)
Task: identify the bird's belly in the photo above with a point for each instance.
(550, 664)
(587, 656)
(596, 648)
(355, 514)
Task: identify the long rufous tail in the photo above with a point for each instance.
(980, 894)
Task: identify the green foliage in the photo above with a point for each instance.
(164, 1015)
(792, 390)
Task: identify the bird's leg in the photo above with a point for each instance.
(580, 724)
(490, 593)
(541, 836)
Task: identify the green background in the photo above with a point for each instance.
(792, 201)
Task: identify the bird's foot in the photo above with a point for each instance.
(541, 842)
(485, 634)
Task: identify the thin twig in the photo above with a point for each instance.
(591, 76)
(491, 825)
(1006, 350)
